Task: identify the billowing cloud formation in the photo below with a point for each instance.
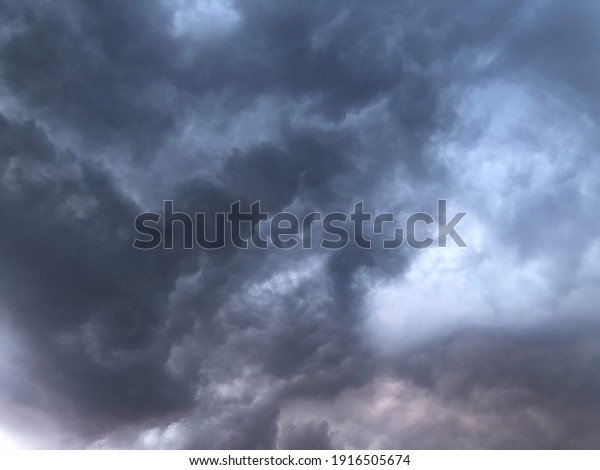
(109, 108)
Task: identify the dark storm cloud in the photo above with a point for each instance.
(116, 70)
(308, 436)
(218, 343)
(117, 73)
(86, 302)
(535, 389)
(90, 64)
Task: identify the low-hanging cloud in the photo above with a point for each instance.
(109, 108)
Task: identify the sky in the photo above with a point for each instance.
(109, 108)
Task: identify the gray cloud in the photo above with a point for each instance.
(110, 108)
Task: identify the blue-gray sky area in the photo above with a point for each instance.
(109, 108)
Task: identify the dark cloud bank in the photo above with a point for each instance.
(108, 108)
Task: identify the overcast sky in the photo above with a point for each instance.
(107, 108)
